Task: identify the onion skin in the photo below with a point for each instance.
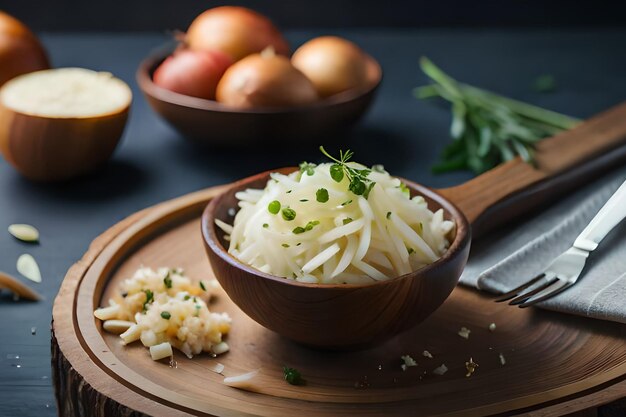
(333, 64)
(193, 73)
(237, 31)
(265, 81)
(20, 50)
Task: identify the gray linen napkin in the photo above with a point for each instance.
(508, 258)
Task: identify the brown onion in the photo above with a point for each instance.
(20, 51)
(237, 31)
(193, 73)
(333, 64)
(265, 80)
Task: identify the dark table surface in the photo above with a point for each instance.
(154, 163)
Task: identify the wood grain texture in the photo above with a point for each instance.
(574, 154)
(208, 122)
(555, 364)
(351, 315)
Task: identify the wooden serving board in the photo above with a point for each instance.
(555, 364)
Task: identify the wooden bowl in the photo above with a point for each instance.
(211, 123)
(329, 315)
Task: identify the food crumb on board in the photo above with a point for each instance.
(427, 354)
(441, 369)
(471, 367)
(502, 360)
(492, 327)
(408, 361)
(464, 332)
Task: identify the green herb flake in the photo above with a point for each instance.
(336, 172)
(274, 207)
(285, 245)
(347, 220)
(321, 195)
(166, 315)
(405, 190)
(298, 230)
(265, 225)
(289, 214)
(545, 83)
(202, 286)
(308, 168)
(299, 243)
(187, 297)
(303, 200)
(149, 299)
(345, 203)
(167, 281)
(289, 191)
(292, 376)
(388, 214)
(310, 225)
(410, 250)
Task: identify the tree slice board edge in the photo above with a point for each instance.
(67, 354)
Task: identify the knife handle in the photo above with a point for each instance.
(609, 216)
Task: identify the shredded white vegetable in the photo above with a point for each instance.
(315, 230)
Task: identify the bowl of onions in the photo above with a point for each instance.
(232, 82)
(335, 256)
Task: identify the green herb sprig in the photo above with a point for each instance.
(359, 183)
(487, 128)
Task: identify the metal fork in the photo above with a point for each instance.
(565, 269)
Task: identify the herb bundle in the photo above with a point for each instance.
(487, 128)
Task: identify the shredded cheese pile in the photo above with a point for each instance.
(309, 227)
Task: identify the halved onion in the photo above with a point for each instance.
(60, 123)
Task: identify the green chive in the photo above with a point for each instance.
(289, 214)
(274, 207)
(388, 214)
(298, 230)
(167, 281)
(345, 203)
(202, 286)
(265, 225)
(166, 315)
(347, 220)
(285, 245)
(310, 225)
(304, 200)
(322, 195)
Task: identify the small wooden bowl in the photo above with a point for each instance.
(334, 316)
(211, 123)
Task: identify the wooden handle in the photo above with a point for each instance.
(564, 162)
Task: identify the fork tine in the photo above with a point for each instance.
(515, 291)
(548, 294)
(528, 294)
